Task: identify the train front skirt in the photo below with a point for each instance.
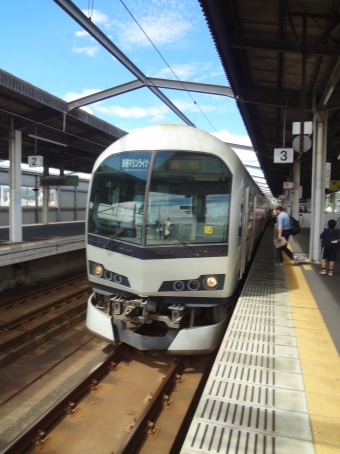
(189, 341)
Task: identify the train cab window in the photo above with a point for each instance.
(188, 200)
(118, 195)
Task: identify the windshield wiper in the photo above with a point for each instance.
(171, 230)
(121, 229)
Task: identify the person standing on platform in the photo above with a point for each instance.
(283, 230)
(329, 243)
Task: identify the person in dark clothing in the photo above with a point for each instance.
(327, 254)
(283, 230)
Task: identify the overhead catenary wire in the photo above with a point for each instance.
(90, 5)
(173, 72)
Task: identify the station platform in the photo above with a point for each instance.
(42, 241)
(46, 252)
(275, 384)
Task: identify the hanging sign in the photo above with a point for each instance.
(288, 185)
(334, 185)
(283, 155)
(328, 175)
(66, 180)
(307, 144)
(35, 161)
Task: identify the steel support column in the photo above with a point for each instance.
(318, 188)
(15, 209)
(295, 208)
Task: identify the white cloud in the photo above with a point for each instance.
(182, 71)
(203, 103)
(199, 79)
(248, 157)
(87, 109)
(81, 33)
(98, 18)
(72, 95)
(165, 29)
(164, 22)
(88, 50)
(226, 136)
(156, 113)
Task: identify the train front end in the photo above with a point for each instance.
(158, 222)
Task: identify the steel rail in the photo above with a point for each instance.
(140, 428)
(41, 424)
(22, 299)
(44, 308)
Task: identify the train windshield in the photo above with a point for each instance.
(188, 200)
(117, 196)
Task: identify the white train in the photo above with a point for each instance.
(172, 220)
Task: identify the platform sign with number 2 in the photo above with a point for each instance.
(283, 155)
(35, 161)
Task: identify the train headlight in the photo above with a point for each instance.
(178, 285)
(193, 284)
(210, 282)
(97, 269)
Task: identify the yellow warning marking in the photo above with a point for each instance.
(319, 355)
(309, 324)
(326, 430)
(307, 315)
(307, 267)
(320, 363)
(322, 369)
(316, 344)
(326, 449)
(313, 333)
(323, 385)
(318, 404)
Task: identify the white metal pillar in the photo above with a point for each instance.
(15, 209)
(295, 211)
(46, 192)
(318, 187)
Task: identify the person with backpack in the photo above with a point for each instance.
(283, 230)
(330, 242)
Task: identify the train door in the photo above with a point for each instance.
(252, 207)
(244, 228)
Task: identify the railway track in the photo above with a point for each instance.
(24, 318)
(129, 403)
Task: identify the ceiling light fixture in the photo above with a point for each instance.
(47, 140)
(329, 94)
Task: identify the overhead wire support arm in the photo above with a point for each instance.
(74, 12)
(151, 82)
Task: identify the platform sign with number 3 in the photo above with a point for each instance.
(283, 155)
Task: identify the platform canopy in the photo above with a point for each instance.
(282, 59)
(73, 139)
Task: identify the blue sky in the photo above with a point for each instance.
(42, 45)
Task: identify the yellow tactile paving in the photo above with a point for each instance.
(319, 355)
(326, 449)
(323, 385)
(313, 334)
(307, 314)
(320, 363)
(330, 407)
(320, 368)
(308, 324)
(314, 344)
(326, 430)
